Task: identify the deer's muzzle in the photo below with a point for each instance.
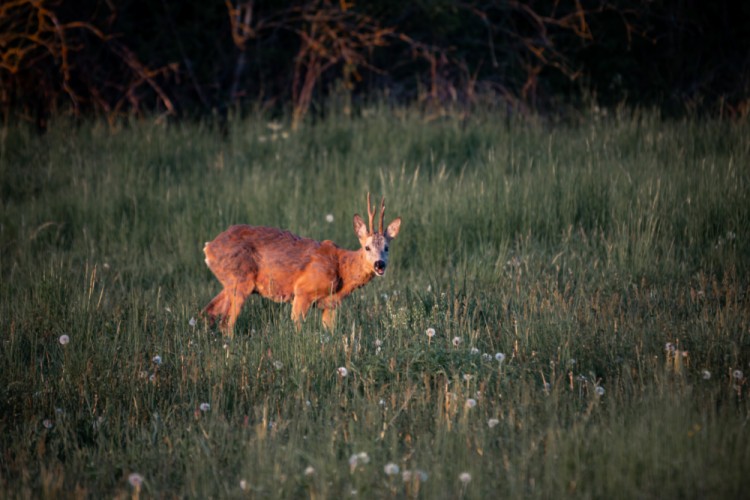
(379, 267)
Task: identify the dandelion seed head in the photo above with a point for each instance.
(329, 218)
(342, 371)
(378, 342)
(278, 364)
(243, 485)
(465, 478)
(471, 403)
(64, 339)
(205, 407)
(192, 322)
(456, 341)
(467, 377)
(500, 357)
(669, 347)
(738, 375)
(474, 351)
(391, 469)
(487, 357)
(599, 390)
(47, 423)
(430, 332)
(492, 422)
(361, 458)
(310, 470)
(135, 480)
(706, 374)
(156, 360)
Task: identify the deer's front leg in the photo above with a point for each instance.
(329, 318)
(300, 306)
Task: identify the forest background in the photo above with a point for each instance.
(185, 59)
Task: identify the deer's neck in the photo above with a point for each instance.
(354, 271)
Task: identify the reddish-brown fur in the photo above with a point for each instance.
(285, 267)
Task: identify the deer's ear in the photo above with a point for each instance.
(392, 229)
(359, 227)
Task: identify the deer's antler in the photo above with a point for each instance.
(382, 213)
(370, 212)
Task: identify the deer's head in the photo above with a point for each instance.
(375, 243)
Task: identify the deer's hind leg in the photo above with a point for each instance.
(236, 296)
(219, 306)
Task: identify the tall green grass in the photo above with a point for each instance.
(608, 261)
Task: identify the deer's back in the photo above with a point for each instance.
(272, 258)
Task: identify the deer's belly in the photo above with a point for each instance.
(275, 290)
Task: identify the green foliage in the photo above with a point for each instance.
(609, 262)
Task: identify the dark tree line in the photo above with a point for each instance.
(181, 58)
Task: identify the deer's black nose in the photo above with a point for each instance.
(379, 266)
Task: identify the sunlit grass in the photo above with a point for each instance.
(565, 314)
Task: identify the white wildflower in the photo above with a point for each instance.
(135, 480)
(361, 458)
(492, 422)
(342, 371)
(391, 469)
(64, 339)
(205, 407)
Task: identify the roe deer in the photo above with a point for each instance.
(284, 267)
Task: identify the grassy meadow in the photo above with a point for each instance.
(588, 286)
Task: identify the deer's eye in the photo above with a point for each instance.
(386, 248)
(367, 248)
